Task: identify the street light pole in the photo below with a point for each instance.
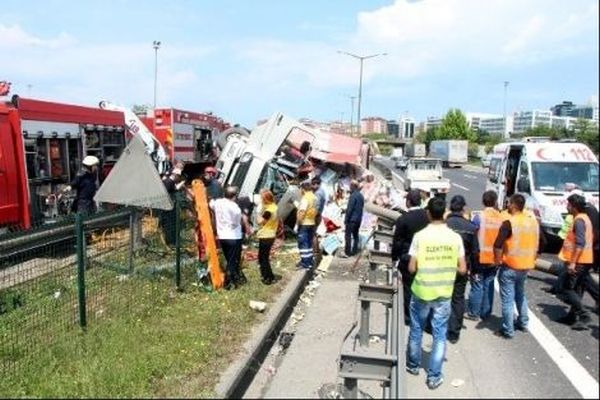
(351, 114)
(156, 46)
(505, 122)
(361, 58)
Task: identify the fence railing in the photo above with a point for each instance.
(85, 269)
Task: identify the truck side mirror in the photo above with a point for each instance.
(523, 185)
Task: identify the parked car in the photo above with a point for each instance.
(485, 160)
(401, 163)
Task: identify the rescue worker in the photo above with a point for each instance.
(516, 249)
(213, 187)
(305, 219)
(406, 226)
(353, 218)
(481, 296)
(167, 218)
(578, 255)
(85, 184)
(467, 231)
(436, 254)
(228, 216)
(268, 222)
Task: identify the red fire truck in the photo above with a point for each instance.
(42, 144)
(187, 137)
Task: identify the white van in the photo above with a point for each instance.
(540, 169)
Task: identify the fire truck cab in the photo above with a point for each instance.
(42, 144)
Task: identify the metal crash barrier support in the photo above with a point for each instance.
(359, 362)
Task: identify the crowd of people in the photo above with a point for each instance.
(438, 252)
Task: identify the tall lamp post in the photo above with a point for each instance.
(504, 110)
(351, 114)
(362, 59)
(156, 46)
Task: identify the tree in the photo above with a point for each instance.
(492, 141)
(455, 126)
(553, 133)
(586, 132)
(428, 136)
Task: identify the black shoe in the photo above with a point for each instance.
(579, 326)
(230, 286)
(267, 281)
(453, 339)
(502, 334)
(521, 328)
(568, 319)
(550, 290)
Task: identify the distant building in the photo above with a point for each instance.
(525, 120)
(563, 109)
(497, 126)
(474, 119)
(406, 128)
(568, 109)
(393, 128)
(433, 122)
(373, 125)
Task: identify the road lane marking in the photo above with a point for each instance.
(461, 187)
(470, 176)
(579, 377)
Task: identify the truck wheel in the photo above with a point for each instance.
(222, 137)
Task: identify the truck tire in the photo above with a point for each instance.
(222, 137)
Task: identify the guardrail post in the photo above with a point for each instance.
(350, 388)
(80, 241)
(131, 238)
(177, 242)
(365, 311)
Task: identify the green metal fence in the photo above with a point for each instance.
(57, 280)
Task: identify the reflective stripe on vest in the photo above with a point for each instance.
(521, 248)
(489, 225)
(436, 269)
(568, 248)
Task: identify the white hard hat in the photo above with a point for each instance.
(90, 161)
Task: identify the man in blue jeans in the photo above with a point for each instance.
(306, 219)
(436, 252)
(515, 249)
(353, 218)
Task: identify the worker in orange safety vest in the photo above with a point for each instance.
(516, 248)
(578, 256)
(481, 296)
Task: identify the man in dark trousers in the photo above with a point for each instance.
(85, 185)
(468, 233)
(407, 225)
(353, 219)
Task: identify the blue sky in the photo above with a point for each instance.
(244, 60)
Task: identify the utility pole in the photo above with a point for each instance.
(156, 46)
(351, 114)
(505, 122)
(362, 59)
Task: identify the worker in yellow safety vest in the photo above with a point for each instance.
(578, 256)
(516, 249)
(436, 253)
(306, 219)
(481, 296)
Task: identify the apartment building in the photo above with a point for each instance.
(373, 125)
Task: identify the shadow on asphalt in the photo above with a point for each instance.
(492, 323)
(553, 311)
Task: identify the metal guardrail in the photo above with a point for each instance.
(357, 361)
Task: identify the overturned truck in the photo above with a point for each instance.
(279, 152)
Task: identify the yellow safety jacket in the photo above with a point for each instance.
(437, 261)
(269, 229)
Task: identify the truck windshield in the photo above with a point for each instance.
(425, 165)
(552, 176)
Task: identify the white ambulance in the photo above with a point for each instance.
(541, 169)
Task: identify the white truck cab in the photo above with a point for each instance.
(540, 169)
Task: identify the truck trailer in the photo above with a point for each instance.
(415, 150)
(453, 153)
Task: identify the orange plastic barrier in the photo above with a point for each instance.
(217, 277)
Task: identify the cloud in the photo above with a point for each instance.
(15, 37)
(424, 40)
